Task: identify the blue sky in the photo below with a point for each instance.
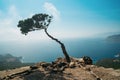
(72, 18)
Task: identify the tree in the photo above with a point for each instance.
(38, 22)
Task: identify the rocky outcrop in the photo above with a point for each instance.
(77, 69)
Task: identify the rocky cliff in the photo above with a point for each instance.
(77, 69)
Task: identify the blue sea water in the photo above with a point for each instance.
(50, 50)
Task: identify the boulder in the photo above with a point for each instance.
(81, 60)
(87, 60)
(72, 64)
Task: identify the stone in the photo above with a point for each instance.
(45, 65)
(72, 64)
(33, 67)
(87, 60)
(61, 64)
(81, 60)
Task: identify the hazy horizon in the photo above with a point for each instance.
(96, 48)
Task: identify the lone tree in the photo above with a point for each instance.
(38, 22)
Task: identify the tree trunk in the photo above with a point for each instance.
(62, 46)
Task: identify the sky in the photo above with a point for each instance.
(71, 18)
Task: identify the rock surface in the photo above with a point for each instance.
(78, 69)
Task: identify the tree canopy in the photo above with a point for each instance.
(37, 22)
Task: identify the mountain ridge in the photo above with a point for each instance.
(114, 38)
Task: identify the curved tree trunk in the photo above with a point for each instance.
(62, 46)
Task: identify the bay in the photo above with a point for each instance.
(96, 48)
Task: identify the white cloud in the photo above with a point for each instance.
(50, 8)
(10, 18)
(9, 30)
(13, 11)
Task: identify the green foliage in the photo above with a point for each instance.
(37, 22)
(109, 63)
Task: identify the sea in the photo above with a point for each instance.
(37, 51)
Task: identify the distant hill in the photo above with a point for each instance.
(8, 61)
(10, 58)
(114, 38)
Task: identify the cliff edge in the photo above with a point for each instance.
(77, 69)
